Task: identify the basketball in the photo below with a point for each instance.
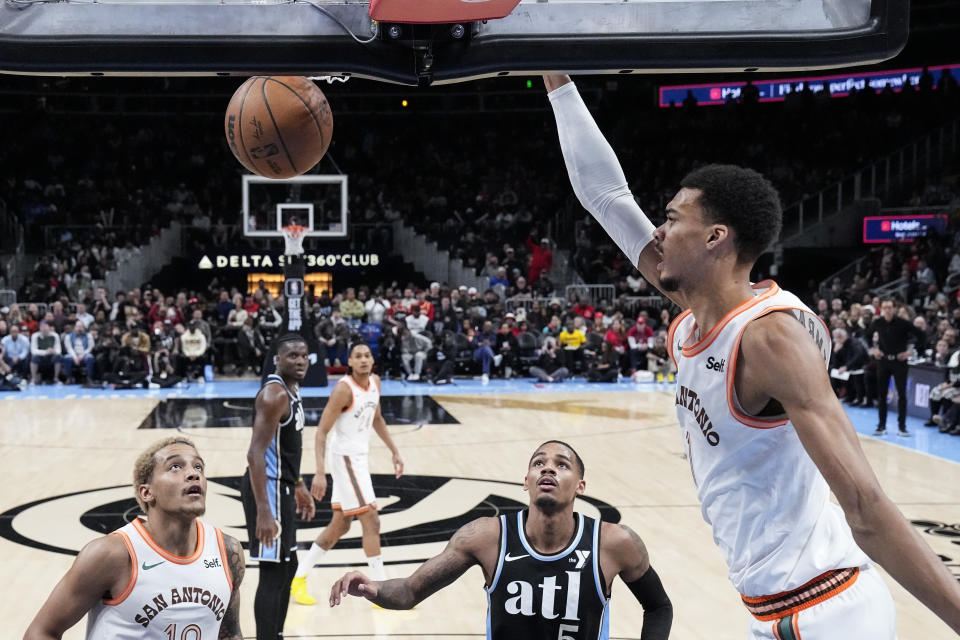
(278, 126)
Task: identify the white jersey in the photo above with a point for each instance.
(351, 431)
(767, 502)
(167, 596)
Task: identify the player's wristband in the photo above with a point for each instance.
(657, 609)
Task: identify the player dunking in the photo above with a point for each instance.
(353, 413)
(548, 569)
(766, 438)
(273, 492)
(168, 575)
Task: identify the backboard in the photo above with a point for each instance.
(317, 202)
(339, 38)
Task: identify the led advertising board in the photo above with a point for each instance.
(884, 229)
(776, 90)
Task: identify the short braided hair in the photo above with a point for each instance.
(289, 338)
(576, 455)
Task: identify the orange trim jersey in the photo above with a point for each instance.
(167, 596)
(765, 499)
(352, 430)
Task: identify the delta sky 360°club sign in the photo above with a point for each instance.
(418, 515)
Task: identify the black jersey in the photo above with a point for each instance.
(283, 454)
(556, 597)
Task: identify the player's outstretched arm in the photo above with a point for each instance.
(102, 567)
(623, 548)
(230, 625)
(599, 182)
(779, 359)
(465, 549)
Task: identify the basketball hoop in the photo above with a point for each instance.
(293, 239)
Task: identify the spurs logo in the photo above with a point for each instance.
(418, 514)
(941, 532)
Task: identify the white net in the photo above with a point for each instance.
(329, 79)
(293, 240)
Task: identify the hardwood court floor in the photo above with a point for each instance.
(75, 457)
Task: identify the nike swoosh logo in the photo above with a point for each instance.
(509, 558)
(147, 567)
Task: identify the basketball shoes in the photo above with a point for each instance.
(298, 589)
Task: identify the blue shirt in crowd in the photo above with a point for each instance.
(16, 349)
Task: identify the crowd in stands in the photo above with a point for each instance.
(512, 182)
(134, 338)
(921, 280)
(90, 189)
(442, 331)
(121, 179)
(500, 207)
(143, 336)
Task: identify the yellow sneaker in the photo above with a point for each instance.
(298, 589)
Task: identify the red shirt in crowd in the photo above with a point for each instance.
(154, 315)
(640, 332)
(584, 310)
(29, 325)
(426, 308)
(617, 340)
(541, 259)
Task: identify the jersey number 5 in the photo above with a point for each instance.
(562, 635)
(190, 632)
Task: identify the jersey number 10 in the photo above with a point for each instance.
(190, 632)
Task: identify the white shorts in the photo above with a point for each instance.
(352, 485)
(863, 610)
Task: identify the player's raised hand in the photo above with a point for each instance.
(397, 465)
(552, 82)
(353, 584)
(319, 486)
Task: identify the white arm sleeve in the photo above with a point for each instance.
(596, 175)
